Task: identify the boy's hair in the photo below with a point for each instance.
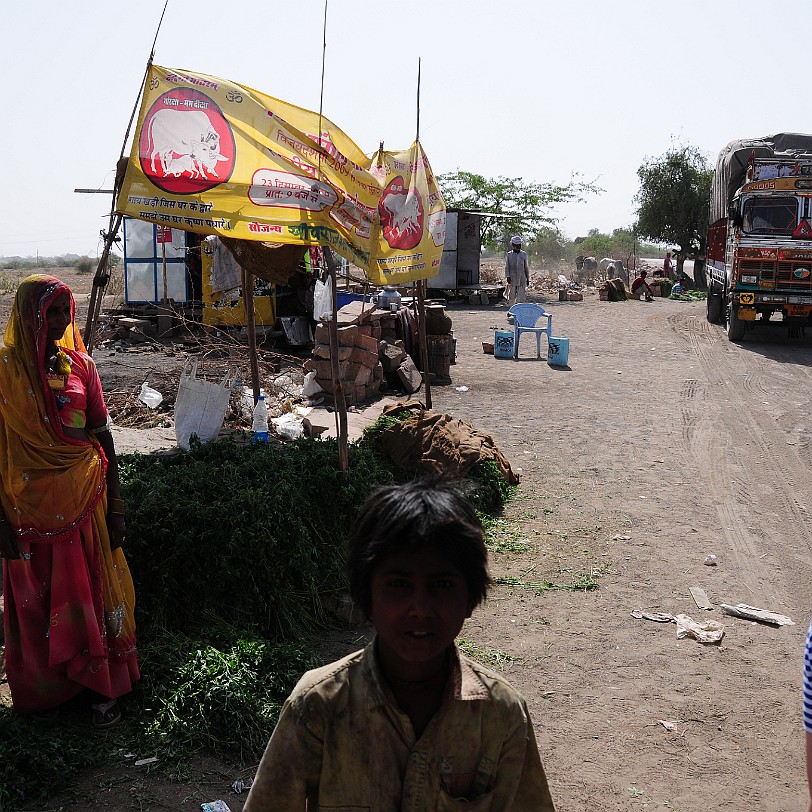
(426, 513)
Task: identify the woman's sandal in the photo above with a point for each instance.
(106, 714)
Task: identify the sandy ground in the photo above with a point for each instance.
(659, 444)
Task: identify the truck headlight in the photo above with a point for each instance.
(749, 279)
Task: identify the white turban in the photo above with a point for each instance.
(516, 240)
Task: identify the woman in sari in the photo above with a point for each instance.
(69, 598)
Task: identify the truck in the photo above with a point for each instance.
(759, 246)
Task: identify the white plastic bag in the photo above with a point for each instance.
(323, 300)
(201, 405)
(289, 426)
(149, 396)
(310, 386)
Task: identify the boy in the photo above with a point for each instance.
(408, 723)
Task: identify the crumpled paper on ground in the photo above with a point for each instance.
(708, 631)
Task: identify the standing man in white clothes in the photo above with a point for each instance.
(517, 272)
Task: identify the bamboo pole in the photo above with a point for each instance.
(100, 280)
(250, 326)
(338, 387)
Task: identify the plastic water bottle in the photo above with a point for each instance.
(260, 422)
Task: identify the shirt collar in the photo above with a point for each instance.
(465, 683)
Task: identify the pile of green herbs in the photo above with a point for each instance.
(690, 296)
(252, 534)
(234, 549)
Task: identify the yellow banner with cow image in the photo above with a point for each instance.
(215, 157)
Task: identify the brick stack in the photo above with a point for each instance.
(369, 346)
(358, 365)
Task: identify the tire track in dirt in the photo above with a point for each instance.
(741, 461)
(687, 397)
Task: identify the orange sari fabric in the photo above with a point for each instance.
(69, 613)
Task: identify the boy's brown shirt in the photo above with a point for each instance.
(341, 742)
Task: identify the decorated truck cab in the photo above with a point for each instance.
(760, 233)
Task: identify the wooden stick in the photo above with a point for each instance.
(250, 326)
(421, 330)
(338, 386)
(100, 281)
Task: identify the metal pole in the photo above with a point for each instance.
(165, 298)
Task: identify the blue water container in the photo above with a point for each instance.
(344, 297)
(558, 351)
(503, 344)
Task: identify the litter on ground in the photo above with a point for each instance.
(754, 613)
(707, 631)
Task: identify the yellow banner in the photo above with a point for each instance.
(215, 157)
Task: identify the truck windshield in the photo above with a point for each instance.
(770, 215)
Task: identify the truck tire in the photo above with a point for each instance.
(715, 307)
(735, 326)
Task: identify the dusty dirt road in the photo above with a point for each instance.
(660, 444)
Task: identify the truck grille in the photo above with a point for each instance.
(764, 268)
(782, 274)
(786, 275)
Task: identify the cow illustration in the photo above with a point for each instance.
(175, 133)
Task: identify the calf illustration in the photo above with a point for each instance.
(401, 216)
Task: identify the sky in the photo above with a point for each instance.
(527, 89)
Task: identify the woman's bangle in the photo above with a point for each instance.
(115, 503)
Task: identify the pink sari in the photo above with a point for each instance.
(69, 598)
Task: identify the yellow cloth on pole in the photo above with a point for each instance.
(215, 157)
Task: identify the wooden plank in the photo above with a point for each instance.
(700, 597)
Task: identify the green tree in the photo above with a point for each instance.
(673, 198)
(548, 245)
(523, 208)
(85, 265)
(596, 245)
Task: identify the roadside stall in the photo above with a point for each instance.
(213, 157)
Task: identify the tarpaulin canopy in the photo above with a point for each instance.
(216, 157)
(731, 166)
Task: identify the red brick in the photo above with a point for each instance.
(368, 343)
(361, 356)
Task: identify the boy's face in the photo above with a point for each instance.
(419, 603)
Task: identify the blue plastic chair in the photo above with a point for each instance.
(526, 317)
